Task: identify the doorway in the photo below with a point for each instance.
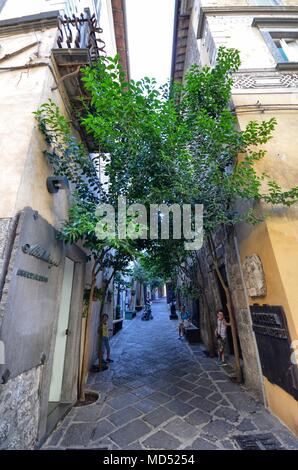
(56, 384)
(223, 299)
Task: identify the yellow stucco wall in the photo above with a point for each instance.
(276, 239)
(282, 405)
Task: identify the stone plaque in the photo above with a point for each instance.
(254, 277)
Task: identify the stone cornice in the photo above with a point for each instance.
(29, 23)
(261, 21)
(245, 10)
(287, 66)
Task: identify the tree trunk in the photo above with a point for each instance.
(230, 308)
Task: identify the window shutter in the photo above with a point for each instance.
(273, 49)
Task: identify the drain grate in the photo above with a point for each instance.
(258, 442)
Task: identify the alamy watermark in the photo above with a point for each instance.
(135, 221)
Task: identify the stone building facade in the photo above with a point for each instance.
(42, 281)
(260, 263)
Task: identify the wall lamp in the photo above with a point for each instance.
(54, 183)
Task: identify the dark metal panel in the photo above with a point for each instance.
(273, 341)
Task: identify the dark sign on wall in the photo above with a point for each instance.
(270, 327)
(31, 307)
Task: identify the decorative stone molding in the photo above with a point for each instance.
(244, 11)
(254, 277)
(264, 80)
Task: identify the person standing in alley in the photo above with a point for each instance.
(104, 339)
(221, 334)
(184, 321)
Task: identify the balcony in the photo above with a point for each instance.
(78, 45)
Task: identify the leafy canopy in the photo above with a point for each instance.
(173, 144)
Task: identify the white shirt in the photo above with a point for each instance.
(221, 328)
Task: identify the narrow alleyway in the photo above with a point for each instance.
(161, 394)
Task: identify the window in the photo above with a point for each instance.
(283, 45)
(265, 3)
(2, 2)
(287, 48)
(281, 37)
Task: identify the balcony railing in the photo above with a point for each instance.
(81, 32)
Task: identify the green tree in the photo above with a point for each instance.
(183, 145)
(177, 144)
(111, 255)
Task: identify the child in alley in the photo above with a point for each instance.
(221, 334)
(184, 321)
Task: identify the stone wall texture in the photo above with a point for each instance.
(19, 410)
(228, 258)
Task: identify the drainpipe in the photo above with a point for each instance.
(175, 33)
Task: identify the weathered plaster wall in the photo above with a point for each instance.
(281, 224)
(276, 240)
(23, 167)
(23, 183)
(237, 32)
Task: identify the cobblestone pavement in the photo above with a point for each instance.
(161, 394)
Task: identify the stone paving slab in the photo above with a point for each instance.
(124, 416)
(158, 416)
(161, 393)
(168, 442)
(130, 432)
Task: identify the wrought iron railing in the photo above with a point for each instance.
(81, 32)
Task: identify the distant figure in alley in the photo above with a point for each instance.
(221, 334)
(184, 321)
